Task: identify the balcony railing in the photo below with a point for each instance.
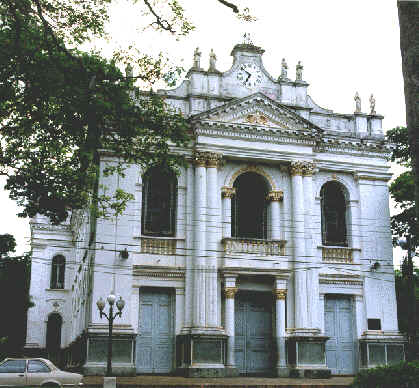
(337, 254)
(254, 246)
(158, 246)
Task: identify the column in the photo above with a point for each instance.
(227, 194)
(312, 273)
(230, 293)
(361, 316)
(354, 225)
(189, 246)
(300, 267)
(280, 295)
(275, 197)
(213, 223)
(200, 197)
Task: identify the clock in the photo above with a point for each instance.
(249, 75)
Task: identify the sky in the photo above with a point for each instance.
(344, 46)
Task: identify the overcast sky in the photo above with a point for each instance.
(345, 46)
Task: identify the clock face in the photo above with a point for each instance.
(249, 75)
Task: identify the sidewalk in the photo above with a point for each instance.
(232, 382)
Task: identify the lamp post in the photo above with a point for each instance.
(120, 303)
(406, 244)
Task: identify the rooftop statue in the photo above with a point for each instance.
(197, 59)
(212, 61)
(299, 71)
(372, 105)
(284, 69)
(357, 103)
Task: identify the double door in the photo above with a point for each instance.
(253, 333)
(339, 326)
(155, 340)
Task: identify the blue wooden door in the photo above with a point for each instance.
(253, 332)
(339, 326)
(154, 349)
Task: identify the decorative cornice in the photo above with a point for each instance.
(228, 192)
(275, 196)
(230, 292)
(280, 294)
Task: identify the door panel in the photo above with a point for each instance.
(155, 333)
(253, 332)
(339, 327)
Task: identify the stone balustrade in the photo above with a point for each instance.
(158, 245)
(337, 254)
(254, 246)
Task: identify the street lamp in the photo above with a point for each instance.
(120, 303)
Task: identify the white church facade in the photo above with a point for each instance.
(269, 253)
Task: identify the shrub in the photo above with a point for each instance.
(402, 375)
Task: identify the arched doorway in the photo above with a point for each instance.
(53, 339)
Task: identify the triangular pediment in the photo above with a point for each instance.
(256, 110)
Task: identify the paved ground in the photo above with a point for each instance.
(232, 382)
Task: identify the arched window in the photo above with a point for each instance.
(249, 207)
(333, 215)
(57, 272)
(53, 340)
(159, 202)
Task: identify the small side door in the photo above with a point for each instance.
(13, 372)
(37, 372)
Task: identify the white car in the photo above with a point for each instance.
(35, 372)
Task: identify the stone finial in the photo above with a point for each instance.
(197, 59)
(357, 103)
(372, 105)
(296, 168)
(230, 292)
(228, 192)
(284, 69)
(275, 196)
(212, 61)
(299, 71)
(280, 294)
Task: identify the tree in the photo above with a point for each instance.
(402, 189)
(7, 244)
(61, 107)
(409, 47)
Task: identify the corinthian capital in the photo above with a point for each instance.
(276, 195)
(200, 159)
(296, 168)
(213, 159)
(308, 168)
(280, 294)
(228, 192)
(230, 292)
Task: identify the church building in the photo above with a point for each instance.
(268, 254)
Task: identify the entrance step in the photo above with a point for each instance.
(232, 382)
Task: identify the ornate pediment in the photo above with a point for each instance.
(256, 110)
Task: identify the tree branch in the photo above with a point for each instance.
(230, 5)
(163, 23)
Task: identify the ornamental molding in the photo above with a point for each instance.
(230, 292)
(341, 280)
(252, 168)
(164, 273)
(50, 228)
